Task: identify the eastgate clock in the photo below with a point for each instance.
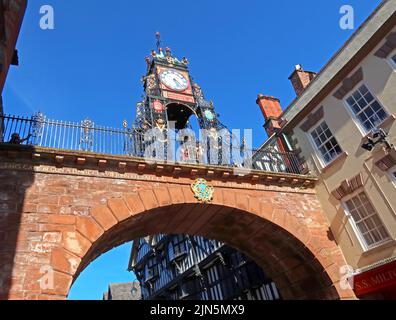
(174, 80)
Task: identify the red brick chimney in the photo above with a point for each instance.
(300, 79)
(272, 110)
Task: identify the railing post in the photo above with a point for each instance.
(38, 128)
(86, 138)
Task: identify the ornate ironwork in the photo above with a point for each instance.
(86, 138)
(38, 126)
(219, 147)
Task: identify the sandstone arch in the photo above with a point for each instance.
(294, 249)
(71, 208)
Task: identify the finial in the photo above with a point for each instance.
(158, 37)
(125, 124)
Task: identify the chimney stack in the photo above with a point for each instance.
(300, 79)
(272, 111)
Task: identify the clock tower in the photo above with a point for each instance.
(172, 97)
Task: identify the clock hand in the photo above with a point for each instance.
(177, 82)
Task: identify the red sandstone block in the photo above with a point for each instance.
(64, 261)
(34, 279)
(242, 201)
(162, 196)
(279, 217)
(55, 227)
(89, 228)
(176, 195)
(119, 209)
(52, 237)
(57, 219)
(29, 207)
(76, 243)
(148, 199)
(104, 217)
(54, 190)
(135, 204)
(189, 196)
(12, 296)
(229, 197)
(48, 199)
(62, 283)
(49, 209)
(66, 200)
(267, 210)
(47, 297)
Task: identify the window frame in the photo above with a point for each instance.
(391, 61)
(355, 118)
(323, 162)
(354, 226)
(392, 177)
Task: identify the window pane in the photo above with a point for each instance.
(351, 101)
(368, 110)
(368, 239)
(383, 232)
(327, 144)
(367, 221)
(363, 89)
(369, 97)
(362, 227)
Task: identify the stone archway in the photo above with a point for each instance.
(71, 208)
(300, 258)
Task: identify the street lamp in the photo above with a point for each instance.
(379, 137)
(134, 290)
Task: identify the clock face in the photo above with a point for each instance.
(174, 80)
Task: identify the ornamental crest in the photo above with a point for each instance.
(202, 190)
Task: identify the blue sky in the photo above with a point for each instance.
(91, 65)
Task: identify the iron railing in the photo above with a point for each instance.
(88, 137)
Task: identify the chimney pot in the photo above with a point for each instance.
(300, 79)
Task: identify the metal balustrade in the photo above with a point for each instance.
(39, 131)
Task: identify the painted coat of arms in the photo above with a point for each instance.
(202, 190)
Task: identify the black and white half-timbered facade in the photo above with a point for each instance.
(180, 267)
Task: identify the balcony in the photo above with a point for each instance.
(88, 138)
